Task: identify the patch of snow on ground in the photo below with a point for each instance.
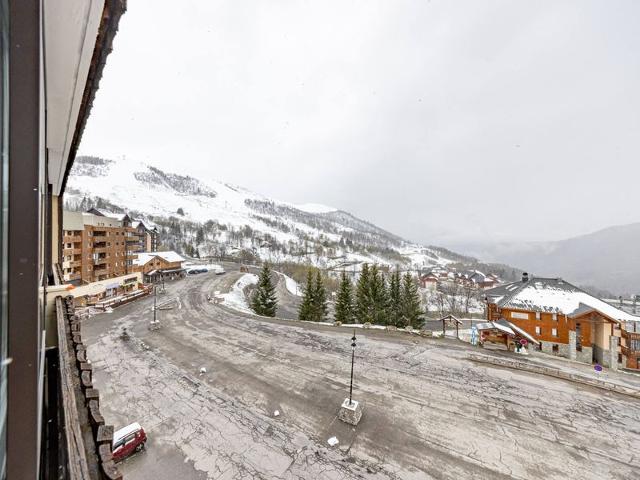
(292, 285)
(315, 208)
(235, 298)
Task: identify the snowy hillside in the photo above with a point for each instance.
(218, 218)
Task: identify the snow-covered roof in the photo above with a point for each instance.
(553, 295)
(144, 257)
(508, 328)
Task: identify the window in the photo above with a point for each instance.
(554, 332)
(555, 316)
(555, 349)
(537, 330)
(537, 315)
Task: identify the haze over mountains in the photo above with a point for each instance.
(608, 259)
(212, 217)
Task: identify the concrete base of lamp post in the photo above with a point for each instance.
(350, 413)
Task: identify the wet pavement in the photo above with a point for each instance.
(428, 411)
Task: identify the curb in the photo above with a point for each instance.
(557, 373)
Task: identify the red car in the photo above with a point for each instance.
(127, 441)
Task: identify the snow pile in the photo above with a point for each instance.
(235, 298)
(292, 286)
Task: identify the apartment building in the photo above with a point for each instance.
(97, 247)
(148, 236)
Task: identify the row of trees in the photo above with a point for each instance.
(379, 302)
(373, 300)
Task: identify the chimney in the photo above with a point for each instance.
(525, 277)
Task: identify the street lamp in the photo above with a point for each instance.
(351, 410)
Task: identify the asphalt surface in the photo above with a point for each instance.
(428, 412)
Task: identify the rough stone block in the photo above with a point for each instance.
(572, 344)
(92, 394)
(85, 378)
(110, 471)
(350, 412)
(613, 352)
(105, 435)
(104, 452)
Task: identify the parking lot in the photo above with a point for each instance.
(429, 412)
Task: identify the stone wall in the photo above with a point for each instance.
(585, 356)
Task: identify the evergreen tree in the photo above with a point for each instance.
(410, 301)
(305, 311)
(320, 308)
(395, 301)
(363, 299)
(379, 296)
(264, 301)
(345, 312)
(199, 236)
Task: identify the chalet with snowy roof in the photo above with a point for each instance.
(568, 321)
(430, 281)
(155, 265)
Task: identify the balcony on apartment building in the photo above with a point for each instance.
(72, 263)
(72, 238)
(75, 275)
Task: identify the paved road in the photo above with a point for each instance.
(429, 412)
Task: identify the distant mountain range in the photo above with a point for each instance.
(211, 217)
(607, 260)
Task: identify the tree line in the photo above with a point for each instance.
(372, 299)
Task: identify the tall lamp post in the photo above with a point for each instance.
(351, 410)
(353, 356)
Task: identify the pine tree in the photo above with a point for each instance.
(320, 308)
(410, 301)
(305, 311)
(344, 304)
(379, 296)
(264, 301)
(395, 301)
(363, 299)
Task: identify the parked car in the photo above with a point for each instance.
(127, 441)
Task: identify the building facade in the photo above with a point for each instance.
(49, 79)
(566, 320)
(97, 247)
(155, 265)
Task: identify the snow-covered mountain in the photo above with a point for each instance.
(219, 218)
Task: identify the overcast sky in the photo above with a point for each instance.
(442, 121)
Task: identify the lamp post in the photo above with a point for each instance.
(351, 410)
(353, 355)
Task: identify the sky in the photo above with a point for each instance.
(446, 122)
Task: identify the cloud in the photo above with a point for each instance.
(436, 120)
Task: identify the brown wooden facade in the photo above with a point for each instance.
(158, 263)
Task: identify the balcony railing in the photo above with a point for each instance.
(99, 238)
(72, 264)
(72, 238)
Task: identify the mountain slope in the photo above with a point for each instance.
(216, 217)
(608, 259)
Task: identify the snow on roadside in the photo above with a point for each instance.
(292, 286)
(235, 298)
